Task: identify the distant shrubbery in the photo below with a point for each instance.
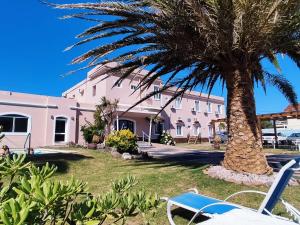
(123, 141)
(29, 197)
(167, 139)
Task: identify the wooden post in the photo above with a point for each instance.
(275, 133)
(150, 130)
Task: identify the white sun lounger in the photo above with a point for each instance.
(200, 204)
(245, 217)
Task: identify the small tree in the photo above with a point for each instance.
(266, 124)
(106, 111)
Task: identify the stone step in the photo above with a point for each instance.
(142, 144)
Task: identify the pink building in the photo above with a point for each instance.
(57, 120)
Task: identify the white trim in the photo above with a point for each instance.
(211, 108)
(67, 130)
(180, 106)
(179, 135)
(29, 104)
(124, 118)
(155, 96)
(221, 109)
(199, 109)
(18, 133)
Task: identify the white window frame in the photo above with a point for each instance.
(197, 129)
(219, 108)
(18, 133)
(67, 119)
(209, 107)
(178, 100)
(197, 101)
(156, 97)
(181, 133)
(94, 91)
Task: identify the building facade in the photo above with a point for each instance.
(57, 120)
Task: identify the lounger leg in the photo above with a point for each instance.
(194, 217)
(169, 208)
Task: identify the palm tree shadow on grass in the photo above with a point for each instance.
(61, 160)
(202, 160)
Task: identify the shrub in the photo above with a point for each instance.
(167, 139)
(89, 131)
(29, 196)
(123, 141)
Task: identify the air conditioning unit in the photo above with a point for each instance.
(193, 110)
(179, 118)
(217, 113)
(195, 119)
(172, 107)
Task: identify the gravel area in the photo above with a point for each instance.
(222, 173)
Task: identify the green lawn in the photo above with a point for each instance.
(99, 169)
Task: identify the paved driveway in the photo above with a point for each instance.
(173, 154)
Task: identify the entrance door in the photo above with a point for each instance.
(60, 130)
(125, 124)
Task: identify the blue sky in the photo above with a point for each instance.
(32, 40)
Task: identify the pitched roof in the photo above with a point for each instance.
(290, 108)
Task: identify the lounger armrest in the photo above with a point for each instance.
(194, 190)
(247, 191)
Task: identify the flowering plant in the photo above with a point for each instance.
(123, 141)
(167, 139)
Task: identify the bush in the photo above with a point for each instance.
(123, 141)
(167, 139)
(89, 131)
(29, 196)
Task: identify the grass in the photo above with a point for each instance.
(99, 169)
(209, 147)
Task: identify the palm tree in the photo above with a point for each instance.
(196, 44)
(106, 111)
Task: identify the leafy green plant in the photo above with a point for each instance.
(29, 196)
(166, 139)
(123, 141)
(89, 131)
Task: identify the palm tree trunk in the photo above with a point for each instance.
(244, 151)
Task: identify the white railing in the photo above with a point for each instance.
(28, 140)
(145, 135)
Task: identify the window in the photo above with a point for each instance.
(179, 130)
(119, 84)
(158, 128)
(178, 103)
(197, 106)
(208, 107)
(158, 95)
(133, 87)
(196, 130)
(13, 123)
(94, 90)
(60, 129)
(219, 109)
